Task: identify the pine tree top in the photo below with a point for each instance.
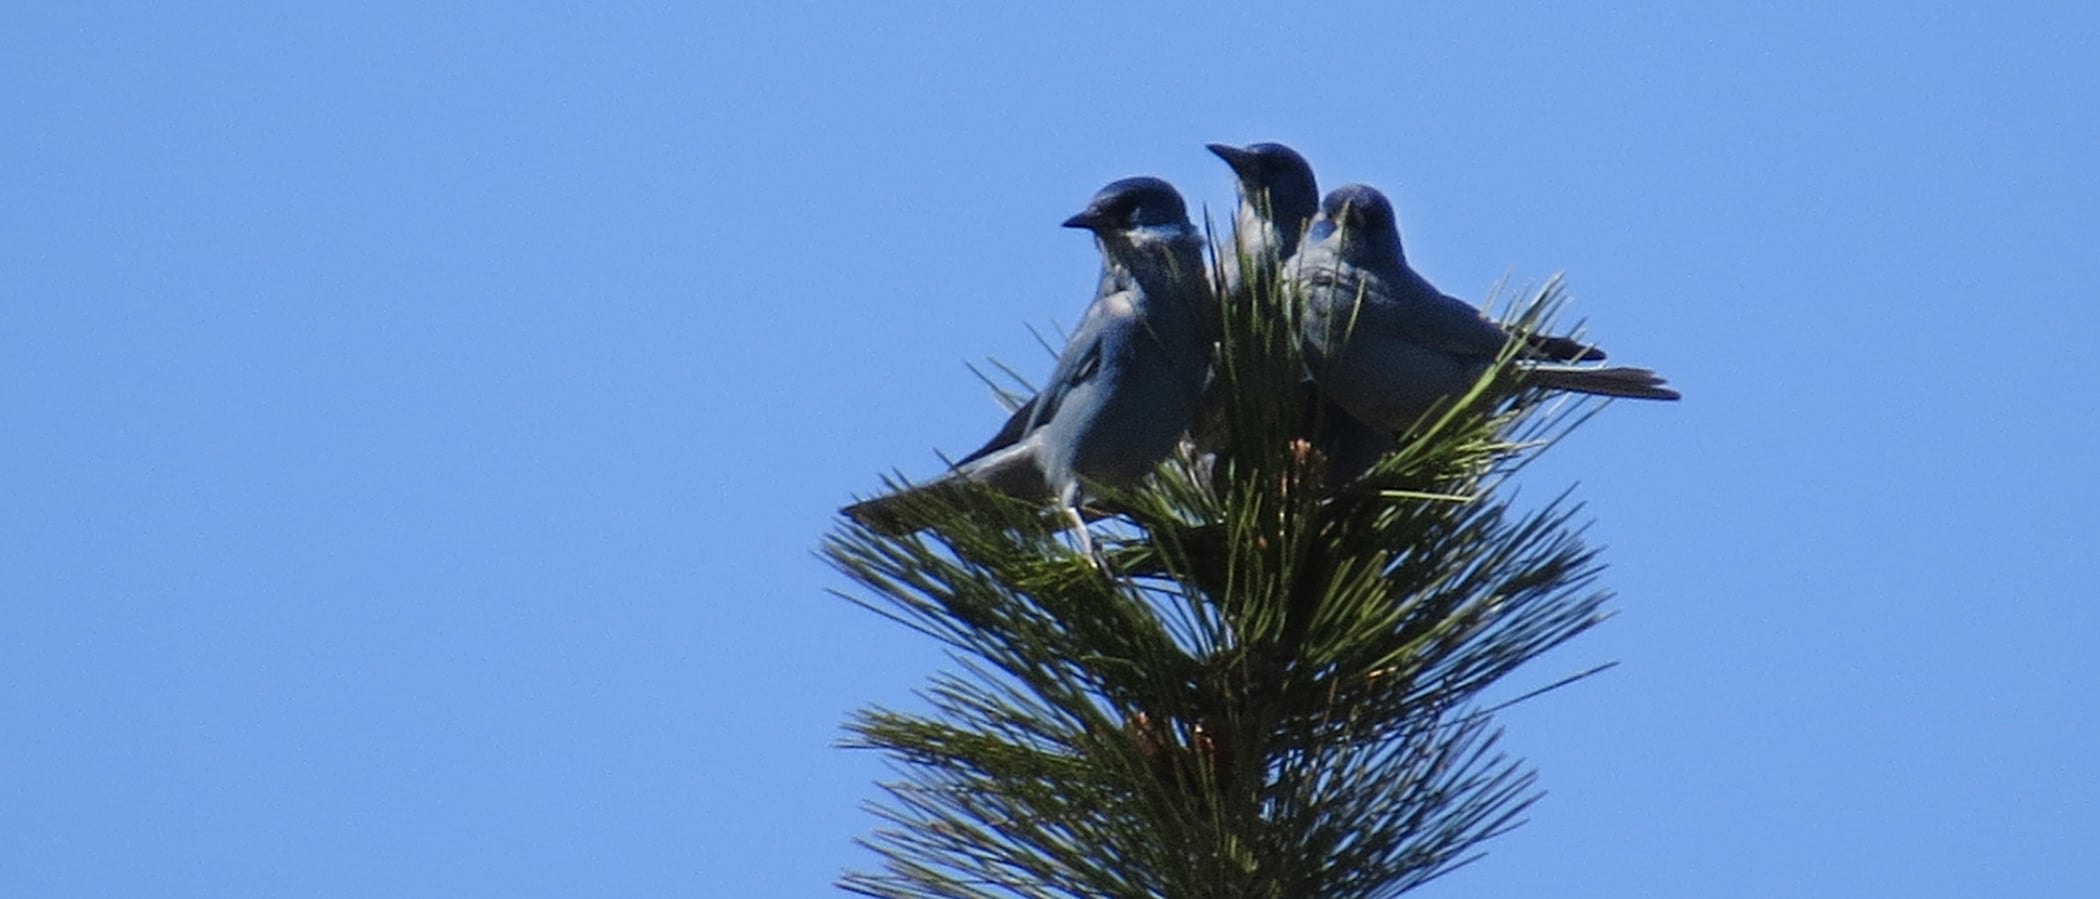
(1265, 686)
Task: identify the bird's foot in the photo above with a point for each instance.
(1085, 539)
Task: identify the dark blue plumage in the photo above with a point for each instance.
(1126, 386)
(1388, 347)
(1277, 198)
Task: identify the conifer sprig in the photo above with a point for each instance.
(1270, 690)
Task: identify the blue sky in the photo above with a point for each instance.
(420, 416)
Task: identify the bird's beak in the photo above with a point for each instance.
(1089, 219)
(1232, 155)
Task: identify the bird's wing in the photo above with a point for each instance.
(1079, 361)
(1563, 349)
(1083, 356)
(1009, 434)
(1401, 309)
(1408, 308)
(1414, 310)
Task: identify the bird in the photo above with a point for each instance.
(1389, 348)
(1127, 384)
(1277, 198)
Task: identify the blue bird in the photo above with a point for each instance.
(1127, 384)
(1277, 199)
(1388, 347)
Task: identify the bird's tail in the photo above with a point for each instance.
(1637, 383)
(893, 515)
(1010, 470)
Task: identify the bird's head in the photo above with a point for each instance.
(1359, 219)
(1133, 205)
(1276, 173)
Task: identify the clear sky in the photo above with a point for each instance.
(418, 417)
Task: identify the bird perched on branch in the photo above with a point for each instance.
(1127, 384)
(1277, 199)
(1388, 347)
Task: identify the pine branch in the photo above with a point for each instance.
(1271, 691)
